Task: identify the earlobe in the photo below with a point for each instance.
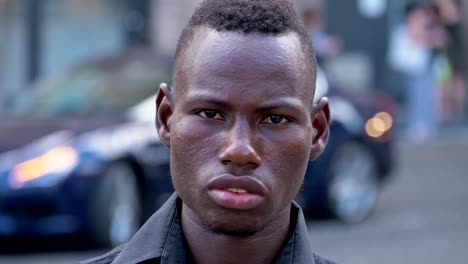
(321, 127)
(164, 110)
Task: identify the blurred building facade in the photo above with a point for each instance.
(71, 31)
(67, 32)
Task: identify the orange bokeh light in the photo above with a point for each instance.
(53, 161)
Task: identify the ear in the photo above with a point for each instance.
(164, 111)
(321, 127)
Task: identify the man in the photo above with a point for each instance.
(325, 46)
(241, 125)
(411, 57)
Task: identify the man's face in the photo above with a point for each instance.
(240, 128)
(419, 24)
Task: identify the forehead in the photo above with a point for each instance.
(220, 58)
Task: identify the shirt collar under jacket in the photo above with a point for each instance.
(161, 240)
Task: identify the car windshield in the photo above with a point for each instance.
(91, 90)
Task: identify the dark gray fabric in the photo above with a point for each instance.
(161, 240)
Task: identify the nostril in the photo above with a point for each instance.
(252, 165)
(240, 154)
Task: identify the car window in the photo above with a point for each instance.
(92, 90)
(72, 94)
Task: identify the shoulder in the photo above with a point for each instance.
(320, 260)
(106, 258)
(148, 242)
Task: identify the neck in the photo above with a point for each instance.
(210, 247)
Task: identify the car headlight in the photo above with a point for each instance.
(379, 124)
(57, 161)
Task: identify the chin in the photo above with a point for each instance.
(234, 226)
(233, 231)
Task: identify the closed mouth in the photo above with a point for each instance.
(238, 184)
(237, 192)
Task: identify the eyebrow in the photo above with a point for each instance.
(284, 103)
(208, 99)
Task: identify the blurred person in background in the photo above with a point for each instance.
(452, 87)
(241, 125)
(326, 46)
(412, 55)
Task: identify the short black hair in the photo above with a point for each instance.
(270, 17)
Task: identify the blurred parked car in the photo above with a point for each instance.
(345, 181)
(73, 161)
(81, 154)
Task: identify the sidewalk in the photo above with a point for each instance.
(449, 134)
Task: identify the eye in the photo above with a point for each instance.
(211, 114)
(275, 119)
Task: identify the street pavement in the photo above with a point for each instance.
(422, 216)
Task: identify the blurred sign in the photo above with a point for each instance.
(372, 8)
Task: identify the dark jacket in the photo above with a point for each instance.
(161, 240)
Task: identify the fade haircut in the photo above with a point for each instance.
(269, 17)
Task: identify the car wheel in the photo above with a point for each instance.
(353, 185)
(116, 208)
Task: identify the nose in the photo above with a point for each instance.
(239, 148)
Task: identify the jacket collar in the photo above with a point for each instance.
(162, 237)
(298, 248)
(156, 236)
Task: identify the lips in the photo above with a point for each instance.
(236, 192)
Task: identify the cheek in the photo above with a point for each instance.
(191, 149)
(289, 157)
